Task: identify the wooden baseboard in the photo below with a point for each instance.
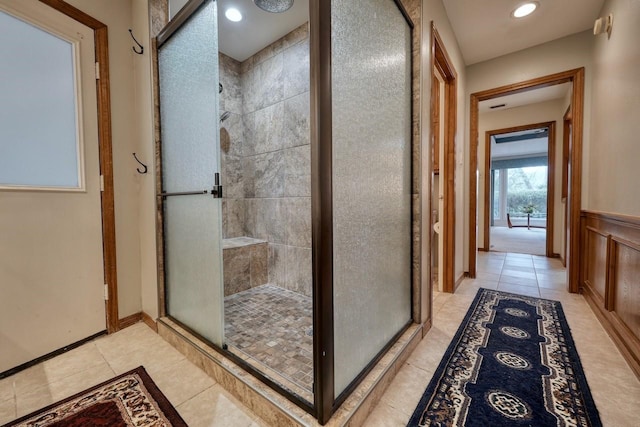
(460, 279)
(138, 317)
(149, 321)
(125, 322)
(625, 342)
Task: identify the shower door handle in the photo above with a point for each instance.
(182, 193)
(216, 191)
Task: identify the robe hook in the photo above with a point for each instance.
(142, 172)
(139, 52)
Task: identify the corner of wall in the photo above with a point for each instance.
(145, 149)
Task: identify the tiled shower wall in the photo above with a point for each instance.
(266, 155)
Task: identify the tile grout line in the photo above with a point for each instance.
(196, 395)
(15, 399)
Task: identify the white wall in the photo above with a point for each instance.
(132, 126)
(615, 125)
(116, 14)
(433, 10)
(142, 75)
(549, 111)
(563, 54)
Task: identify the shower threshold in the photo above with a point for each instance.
(272, 406)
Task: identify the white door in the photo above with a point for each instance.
(51, 259)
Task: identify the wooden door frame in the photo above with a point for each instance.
(575, 76)
(441, 60)
(567, 124)
(551, 164)
(106, 155)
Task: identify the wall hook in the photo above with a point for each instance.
(141, 51)
(142, 172)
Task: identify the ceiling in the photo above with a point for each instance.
(485, 29)
(531, 144)
(508, 138)
(258, 29)
(525, 98)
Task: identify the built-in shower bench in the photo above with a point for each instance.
(244, 263)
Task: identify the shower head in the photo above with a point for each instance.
(225, 116)
(274, 6)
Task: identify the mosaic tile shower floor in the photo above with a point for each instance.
(273, 326)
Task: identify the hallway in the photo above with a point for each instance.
(614, 387)
(203, 402)
(518, 240)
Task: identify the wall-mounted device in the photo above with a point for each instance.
(604, 24)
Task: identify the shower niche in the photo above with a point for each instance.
(303, 294)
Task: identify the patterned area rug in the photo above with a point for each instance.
(511, 363)
(130, 399)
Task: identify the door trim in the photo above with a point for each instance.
(441, 60)
(576, 76)
(551, 163)
(106, 155)
(567, 125)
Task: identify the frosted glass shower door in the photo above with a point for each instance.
(188, 76)
(371, 180)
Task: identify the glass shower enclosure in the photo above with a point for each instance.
(361, 186)
(191, 199)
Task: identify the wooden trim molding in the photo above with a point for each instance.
(567, 126)
(443, 63)
(106, 154)
(609, 268)
(435, 125)
(566, 133)
(576, 76)
(488, 179)
(149, 321)
(141, 316)
(551, 167)
(131, 320)
(473, 187)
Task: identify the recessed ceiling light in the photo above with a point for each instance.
(274, 6)
(525, 10)
(233, 15)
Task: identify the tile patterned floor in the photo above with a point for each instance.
(198, 398)
(615, 388)
(273, 326)
(203, 402)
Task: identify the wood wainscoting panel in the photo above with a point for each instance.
(610, 277)
(626, 284)
(596, 247)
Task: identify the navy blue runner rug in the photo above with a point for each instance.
(511, 363)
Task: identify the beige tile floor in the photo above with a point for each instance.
(614, 387)
(197, 397)
(202, 402)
